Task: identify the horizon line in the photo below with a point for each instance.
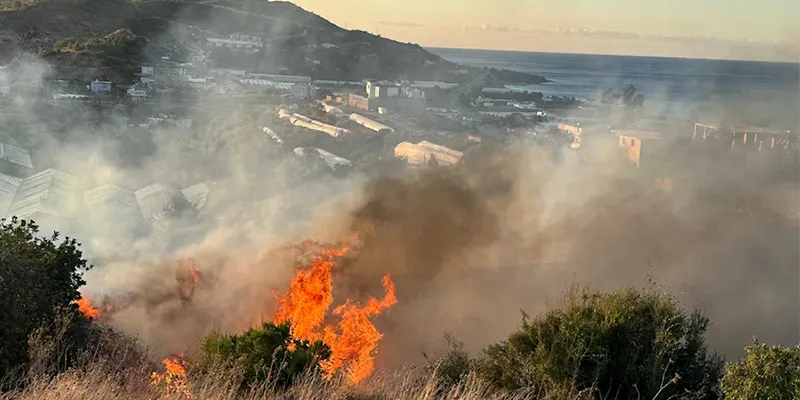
(795, 62)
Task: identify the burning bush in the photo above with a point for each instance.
(627, 344)
(265, 355)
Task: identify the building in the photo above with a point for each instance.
(50, 193)
(332, 160)
(359, 102)
(110, 208)
(638, 144)
(377, 89)
(139, 91)
(370, 124)
(197, 195)
(248, 45)
(424, 153)
(160, 203)
(100, 86)
(8, 190)
(14, 160)
(740, 137)
(301, 90)
(147, 70)
(274, 136)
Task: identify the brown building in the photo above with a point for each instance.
(639, 144)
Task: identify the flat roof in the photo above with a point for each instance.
(743, 128)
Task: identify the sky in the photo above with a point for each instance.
(747, 29)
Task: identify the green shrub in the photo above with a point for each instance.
(39, 278)
(266, 355)
(626, 344)
(455, 364)
(766, 372)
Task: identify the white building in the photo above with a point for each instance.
(160, 203)
(138, 91)
(8, 190)
(48, 193)
(16, 156)
(370, 124)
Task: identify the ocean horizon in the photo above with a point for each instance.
(682, 87)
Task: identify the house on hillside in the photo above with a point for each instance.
(97, 86)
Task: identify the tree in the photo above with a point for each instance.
(266, 355)
(626, 344)
(39, 278)
(766, 372)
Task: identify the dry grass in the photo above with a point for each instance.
(97, 384)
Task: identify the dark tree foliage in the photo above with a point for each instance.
(265, 355)
(39, 278)
(627, 344)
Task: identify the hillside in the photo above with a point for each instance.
(296, 41)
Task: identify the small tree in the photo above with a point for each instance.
(39, 278)
(266, 355)
(766, 372)
(627, 344)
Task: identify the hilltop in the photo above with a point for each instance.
(296, 41)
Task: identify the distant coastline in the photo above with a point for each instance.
(434, 49)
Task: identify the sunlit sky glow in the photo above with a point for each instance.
(714, 28)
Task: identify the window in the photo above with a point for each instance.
(633, 142)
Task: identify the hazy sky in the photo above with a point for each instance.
(532, 24)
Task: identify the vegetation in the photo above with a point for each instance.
(623, 344)
(265, 355)
(631, 343)
(39, 278)
(766, 372)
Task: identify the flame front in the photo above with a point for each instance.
(86, 308)
(173, 379)
(354, 339)
(309, 297)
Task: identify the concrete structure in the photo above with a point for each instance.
(370, 124)
(635, 144)
(100, 86)
(69, 96)
(300, 90)
(332, 160)
(426, 152)
(248, 46)
(8, 190)
(161, 203)
(377, 89)
(746, 137)
(48, 193)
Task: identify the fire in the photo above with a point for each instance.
(354, 339)
(86, 308)
(174, 377)
(188, 277)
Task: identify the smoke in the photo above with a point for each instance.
(467, 247)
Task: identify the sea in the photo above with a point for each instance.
(717, 90)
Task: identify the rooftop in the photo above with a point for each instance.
(160, 202)
(8, 189)
(50, 192)
(15, 155)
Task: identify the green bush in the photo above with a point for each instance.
(39, 278)
(266, 355)
(625, 344)
(766, 372)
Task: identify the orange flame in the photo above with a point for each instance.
(174, 377)
(309, 297)
(86, 308)
(354, 340)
